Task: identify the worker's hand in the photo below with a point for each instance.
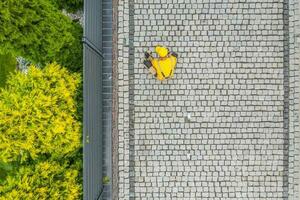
(174, 54)
(152, 70)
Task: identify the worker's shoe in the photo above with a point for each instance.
(148, 54)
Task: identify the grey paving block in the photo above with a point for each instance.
(233, 82)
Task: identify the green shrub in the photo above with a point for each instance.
(40, 135)
(69, 5)
(37, 30)
(7, 65)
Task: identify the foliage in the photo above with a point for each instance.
(40, 135)
(69, 5)
(44, 180)
(37, 30)
(37, 114)
(7, 65)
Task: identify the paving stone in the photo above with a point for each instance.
(230, 78)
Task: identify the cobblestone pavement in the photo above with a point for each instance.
(219, 128)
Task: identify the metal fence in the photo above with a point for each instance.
(92, 92)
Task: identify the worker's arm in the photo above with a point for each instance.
(173, 57)
(152, 71)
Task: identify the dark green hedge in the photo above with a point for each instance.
(69, 5)
(7, 65)
(38, 31)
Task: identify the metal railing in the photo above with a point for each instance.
(92, 94)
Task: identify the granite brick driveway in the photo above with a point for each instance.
(221, 128)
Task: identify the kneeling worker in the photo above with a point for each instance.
(162, 67)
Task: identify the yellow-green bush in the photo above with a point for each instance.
(44, 180)
(40, 135)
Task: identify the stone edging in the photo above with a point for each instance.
(115, 139)
(121, 182)
(294, 72)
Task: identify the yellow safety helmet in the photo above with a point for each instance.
(161, 51)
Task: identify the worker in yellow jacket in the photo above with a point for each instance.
(162, 67)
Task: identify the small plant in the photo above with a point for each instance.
(105, 180)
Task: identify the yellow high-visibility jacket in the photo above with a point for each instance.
(164, 66)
